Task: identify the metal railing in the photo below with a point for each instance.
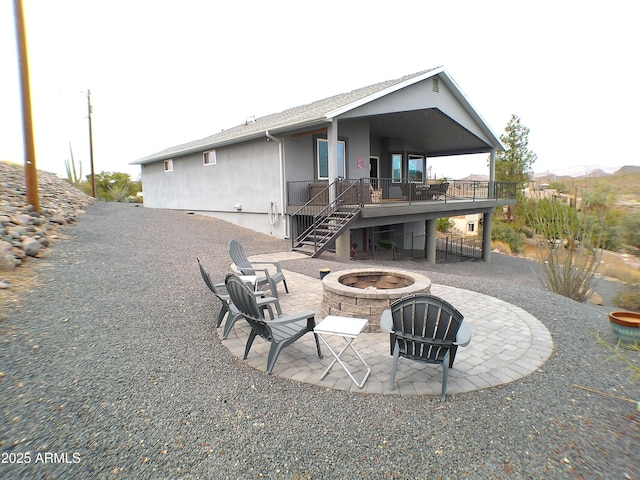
(384, 190)
(317, 215)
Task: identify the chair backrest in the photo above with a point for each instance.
(238, 256)
(245, 301)
(206, 277)
(424, 318)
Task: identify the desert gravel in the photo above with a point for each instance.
(111, 368)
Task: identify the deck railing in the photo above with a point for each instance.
(385, 190)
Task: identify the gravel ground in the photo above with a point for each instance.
(111, 369)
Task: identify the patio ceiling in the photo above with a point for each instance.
(429, 130)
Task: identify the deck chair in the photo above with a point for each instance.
(280, 331)
(249, 268)
(427, 329)
(227, 307)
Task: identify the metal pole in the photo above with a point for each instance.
(93, 178)
(30, 171)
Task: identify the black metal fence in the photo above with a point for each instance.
(392, 246)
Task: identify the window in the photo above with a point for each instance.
(209, 158)
(322, 156)
(168, 165)
(396, 167)
(416, 168)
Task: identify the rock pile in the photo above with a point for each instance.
(23, 231)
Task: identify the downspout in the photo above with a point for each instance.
(285, 228)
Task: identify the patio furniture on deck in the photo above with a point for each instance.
(249, 268)
(427, 329)
(436, 190)
(227, 307)
(280, 331)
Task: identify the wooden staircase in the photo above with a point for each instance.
(328, 222)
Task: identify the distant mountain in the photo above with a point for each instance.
(568, 174)
(584, 171)
(475, 176)
(628, 169)
(598, 172)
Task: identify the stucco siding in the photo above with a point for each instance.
(246, 173)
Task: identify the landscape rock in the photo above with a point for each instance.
(7, 258)
(31, 247)
(24, 232)
(595, 299)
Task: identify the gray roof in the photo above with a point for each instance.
(301, 116)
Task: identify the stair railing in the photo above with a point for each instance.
(327, 211)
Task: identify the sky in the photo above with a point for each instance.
(163, 72)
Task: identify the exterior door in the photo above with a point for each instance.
(374, 171)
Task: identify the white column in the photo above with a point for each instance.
(492, 172)
(332, 138)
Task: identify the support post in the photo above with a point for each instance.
(492, 174)
(93, 177)
(30, 170)
(343, 245)
(332, 140)
(431, 240)
(486, 237)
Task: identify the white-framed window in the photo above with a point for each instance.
(322, 158)
(209, 158)
(168, 165)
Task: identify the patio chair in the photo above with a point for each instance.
(280, 331)
(227, 307)
(427, 329)
(249, 268)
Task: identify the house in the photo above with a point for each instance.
(344, 173)
(466, 225)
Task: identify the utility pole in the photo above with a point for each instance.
(93, 178)
(30, 171)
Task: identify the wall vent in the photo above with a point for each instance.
(436, 84)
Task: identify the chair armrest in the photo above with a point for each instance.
(296, 317)
(275, 264)
(267, 301)
(254, 270)
(463, 336)
(386, 322)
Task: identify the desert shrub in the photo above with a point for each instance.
(570, 248)
(501, 232)
(628, 297)
(443, 224)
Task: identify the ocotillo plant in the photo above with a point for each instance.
(569, 246)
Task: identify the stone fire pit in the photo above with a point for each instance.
(366, 293)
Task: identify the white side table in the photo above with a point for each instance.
(349, 329)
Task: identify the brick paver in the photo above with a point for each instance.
(507, 344)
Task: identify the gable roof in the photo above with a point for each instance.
(314, 113)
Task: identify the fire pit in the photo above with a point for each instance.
(366, 293)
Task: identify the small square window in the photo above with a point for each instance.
(209, 158)
(168, 165)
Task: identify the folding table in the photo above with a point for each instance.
(349, 329)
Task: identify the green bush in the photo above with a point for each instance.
(501, 232)
(443, 224)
